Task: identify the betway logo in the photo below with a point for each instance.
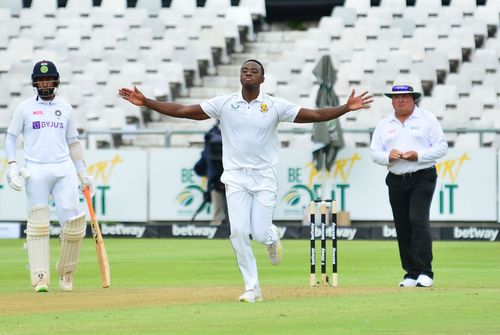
(347, 233)
(389, 232)
(123, 230)
(193, 231)
(475, 233)
(342, 232)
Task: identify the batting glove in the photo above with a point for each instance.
(87, 181)
(14, 177)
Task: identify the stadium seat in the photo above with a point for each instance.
(485, 94)
(490, 17)
(452, 48)
(419, 15)
(290, 92)
(14, 6)
(467, 7)
(117, 7)
(22, 48)
(46, 7)
(395, 7)
(153, 6)
(429, 7)
(99, 70)
(434, 104)
(332, 25)
(219, 7)
(493, 80)
(348, 15)
(487, 58)
(407, 25)
(448, 93)
(362, 7)
(256, 7)
(184, 7)
(428, 75)
(462, 83)
(242, 17)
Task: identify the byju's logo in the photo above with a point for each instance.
(47, 124)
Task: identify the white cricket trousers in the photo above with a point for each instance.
(251, 198)
(57, 179)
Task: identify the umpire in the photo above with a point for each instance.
(409, 141)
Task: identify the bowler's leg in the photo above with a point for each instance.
(263, 230)
(239, 208)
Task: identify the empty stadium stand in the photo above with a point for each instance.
(188, 51)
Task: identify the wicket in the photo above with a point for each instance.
(323, 223)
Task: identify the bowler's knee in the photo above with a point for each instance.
(261, 236)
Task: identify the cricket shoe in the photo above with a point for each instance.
(424, 281)
(42, 284)
(66, 282)
(408, 282)
(275, 250)
(251, 296)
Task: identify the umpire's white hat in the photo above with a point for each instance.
(403, 89)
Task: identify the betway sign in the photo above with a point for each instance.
(488, 234)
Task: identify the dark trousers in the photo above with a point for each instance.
(411, 196)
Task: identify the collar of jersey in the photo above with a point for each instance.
(260, 97)
(46, 102)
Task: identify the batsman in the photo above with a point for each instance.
(55, 167)
(249, 122)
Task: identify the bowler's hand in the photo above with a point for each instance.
(360, 101)
(133, 96)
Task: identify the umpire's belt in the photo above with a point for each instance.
(417, 173)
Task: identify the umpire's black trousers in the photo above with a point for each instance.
(410, 196)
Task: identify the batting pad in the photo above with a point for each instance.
(37, 243)
(72, 233)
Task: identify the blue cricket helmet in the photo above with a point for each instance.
(41, 69)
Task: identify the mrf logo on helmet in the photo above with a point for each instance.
(45, 69)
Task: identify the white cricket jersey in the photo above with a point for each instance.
(421, 132)
(250, 130)
(45, 126)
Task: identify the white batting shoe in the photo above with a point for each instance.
(42, 282)
(251, 296)
(424, 281)
(66, 282)
(275, 250)
(41, 286)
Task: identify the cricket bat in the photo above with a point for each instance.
(100, 249)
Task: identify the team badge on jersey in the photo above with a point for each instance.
(58, 113)
(263, 108)
(235, 106)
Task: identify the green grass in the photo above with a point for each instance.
(464, 300)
